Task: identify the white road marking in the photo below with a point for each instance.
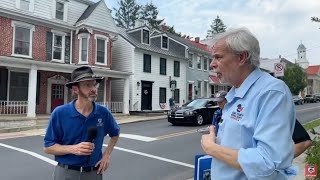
(138, 137)
(50, 161)
(135, 137)
(154, 157)
(317, 107)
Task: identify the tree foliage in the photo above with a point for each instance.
(313, 154)
(216, 27)
(149, 14)
(295, 78)
(127, 13)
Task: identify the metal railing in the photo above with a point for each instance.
(115, 107)
(13, 107)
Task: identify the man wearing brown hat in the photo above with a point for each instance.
(76, 131)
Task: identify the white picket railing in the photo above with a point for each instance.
(115, 107)
(13, 107)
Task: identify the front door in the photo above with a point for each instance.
(146, 96)
(57, 98)
(190, 93)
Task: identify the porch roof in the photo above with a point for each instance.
(15, 62)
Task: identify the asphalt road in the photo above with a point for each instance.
(152, 150)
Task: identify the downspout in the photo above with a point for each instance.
(71, 46)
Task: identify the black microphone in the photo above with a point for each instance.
(92, 134)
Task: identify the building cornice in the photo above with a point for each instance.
(58, 67)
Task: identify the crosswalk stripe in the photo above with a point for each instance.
(153, 156)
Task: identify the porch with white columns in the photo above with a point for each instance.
(32, 91)
(126, 96)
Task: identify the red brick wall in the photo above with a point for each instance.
(6, 36)
(43, 102)
(75, 49)
(91, 50)
(39, 43)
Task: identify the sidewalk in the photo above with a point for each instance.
(31, 129)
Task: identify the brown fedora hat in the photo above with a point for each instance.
(82, 73)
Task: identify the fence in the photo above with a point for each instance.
(13, 107)
(115, 107)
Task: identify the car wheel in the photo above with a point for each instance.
(174, 124)
(199, 120)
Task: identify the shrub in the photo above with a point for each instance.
(313, 156)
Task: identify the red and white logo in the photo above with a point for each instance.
(311, 171)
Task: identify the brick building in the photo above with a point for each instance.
(42, 41)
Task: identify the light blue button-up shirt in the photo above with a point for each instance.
(258, 120)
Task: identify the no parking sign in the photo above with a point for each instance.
(278, 69)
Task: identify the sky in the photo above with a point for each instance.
(279, 25)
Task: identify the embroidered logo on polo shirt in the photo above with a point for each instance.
(237, 115)
(99, 124)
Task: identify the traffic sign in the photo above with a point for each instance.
(278, 69)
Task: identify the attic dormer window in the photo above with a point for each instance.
(145, 36)
(59, 10)
(164, 42)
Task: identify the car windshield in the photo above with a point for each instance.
(197, 103)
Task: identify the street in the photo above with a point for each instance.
(151, 150)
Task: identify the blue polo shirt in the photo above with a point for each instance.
(258, 121)
(68, 127)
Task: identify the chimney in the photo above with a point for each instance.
(197, 39)
(138, 23)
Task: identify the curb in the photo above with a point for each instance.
(121, 121)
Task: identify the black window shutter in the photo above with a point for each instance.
(49, 46)
(67, 50)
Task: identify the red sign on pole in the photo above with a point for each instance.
(311, 171)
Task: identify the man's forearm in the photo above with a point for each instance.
(111, 144)
(227, 155)
(58, 150)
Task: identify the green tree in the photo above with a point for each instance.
(149, 13)
(127, 13)
(295, 78)
(216, 27)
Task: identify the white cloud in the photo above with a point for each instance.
(279, 25)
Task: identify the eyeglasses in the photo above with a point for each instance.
(89, 84)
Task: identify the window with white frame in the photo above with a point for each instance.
(190, 60)
(83, 47)
(101, 52)
(24, 4)
(199, 88)
(205, 88)
(27, 5)
(145, 36)
(22, 34)
(18, 87)
(205, 64)
(199, 62)
(58, 46)
(59, 10)
(101, 91)
(164, 44)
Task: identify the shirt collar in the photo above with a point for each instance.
(245, 86)
(75, 113)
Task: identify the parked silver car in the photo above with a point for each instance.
(297, 100)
